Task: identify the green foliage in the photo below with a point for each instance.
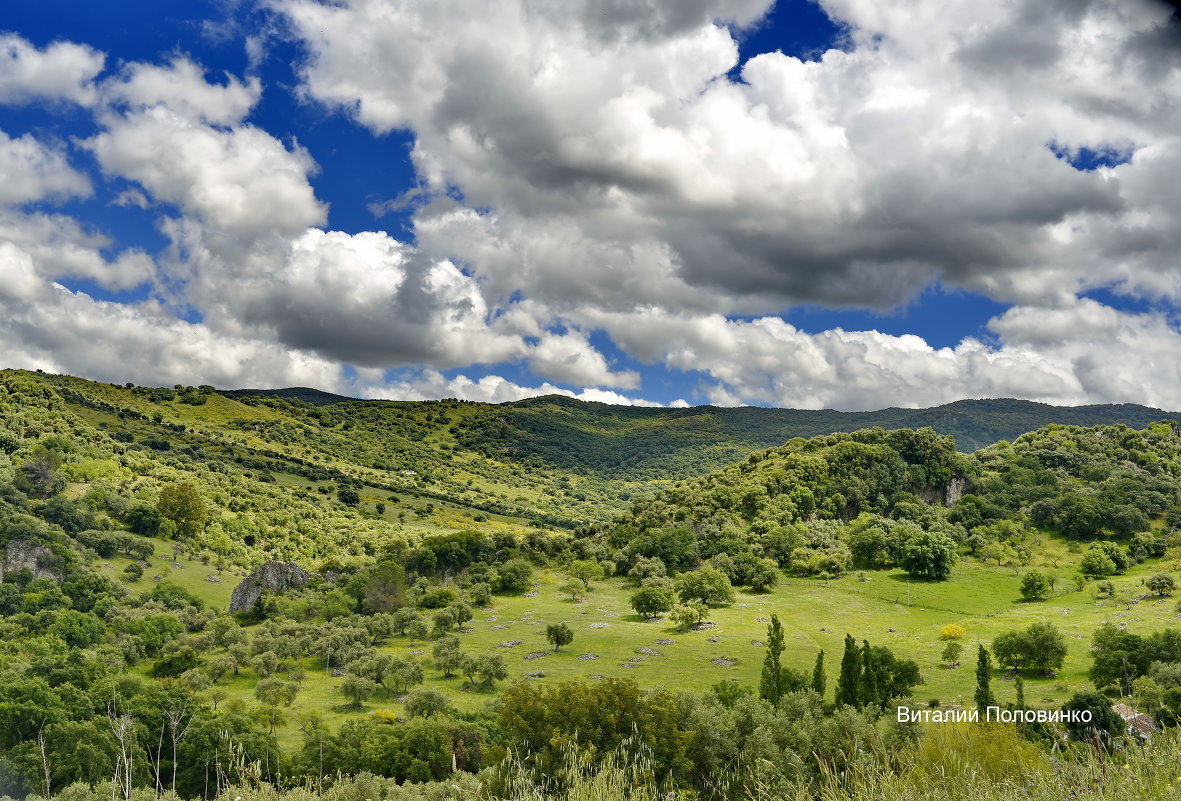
(1105, 725)
(1161, 583)
(1096, 564)
(652, 601)
(1035, 586)
(771, 681)
(707, 585)
(183, 505)
(984, 697)
(559, 634)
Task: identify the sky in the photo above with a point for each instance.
(846, 204)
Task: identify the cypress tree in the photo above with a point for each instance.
(868, 691)
(847, 682)
(1020, 692)
(771, 682)
(819, 679)
(984, 697)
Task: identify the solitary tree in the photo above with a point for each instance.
(1162, 584)
(559, 634)
(951, 653)
(586, 571)
(770, 683)
(1035, 586)
(574, 588)
(652, 601)
(819, 678)
(984, 696)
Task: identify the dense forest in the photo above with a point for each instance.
(395, 563)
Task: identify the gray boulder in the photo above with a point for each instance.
(24, 555)
(272, 576)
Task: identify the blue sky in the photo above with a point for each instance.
(794, 203)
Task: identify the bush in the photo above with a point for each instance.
(951, 631)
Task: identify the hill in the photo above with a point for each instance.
(127, 515)
(644, 444)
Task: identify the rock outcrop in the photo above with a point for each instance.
(270, 576)
(24, 555)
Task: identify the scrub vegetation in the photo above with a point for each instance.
(554, 600)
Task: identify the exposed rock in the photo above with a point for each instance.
(272, 576)
(37, 559)
(954, 491)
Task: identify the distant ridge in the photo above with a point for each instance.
(574, 433)
(316, 397)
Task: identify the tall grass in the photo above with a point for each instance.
(952, 763)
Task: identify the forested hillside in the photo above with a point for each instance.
(438, 620)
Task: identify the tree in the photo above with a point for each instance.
(265, 664)
(653, 601)
(951, 653)
(819, 678)
(1045, 647)
(1103, 724)
(850, 677)
(1010, 648)
(686, 615)
(461, 612)
(357, 689)
(402, 619)
(404, 674)
(349, 496)
(707, 585)
(513, 576)
(1096, 564)
(1035, 586)
(929, 554)
(1162, 584)
(144, 519)
(38, 476)
(586, 571)
(559, 634)
(425, 703)
(984, 696)
(183, 505)
(446, 655)
(480, 593)
(869, 689)
(770, 682)
(491, 668)
(378, 668)
(647, 567)
(444, 620)
(385, 588)
(417, 629)
(574, 588)
(763, 575)
(274, 693)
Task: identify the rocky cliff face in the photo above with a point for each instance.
(272, 576)
(24, 555)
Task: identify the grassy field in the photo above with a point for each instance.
(815, 614)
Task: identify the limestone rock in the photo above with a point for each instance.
(272, 576)
(24, 555)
